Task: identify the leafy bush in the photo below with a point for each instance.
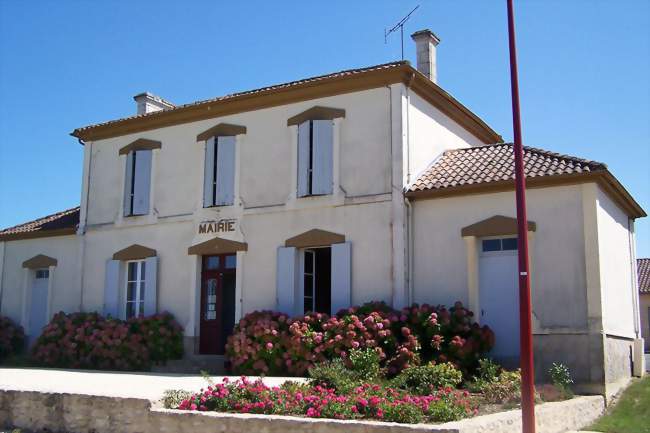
(12, 338)
(172, 398)
(422, 380)
(335, 375)
(367, 401)
(487, 372)
(365, 363)
(505, 389)
(88, 340)
(561, 377)
(270, 343)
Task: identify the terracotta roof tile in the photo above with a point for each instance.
(493, 163)
(63, 222)
(344, 73)
(643, 273)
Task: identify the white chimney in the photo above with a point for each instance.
(425, 44)
(148, 103)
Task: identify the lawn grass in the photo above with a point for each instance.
(631, 414)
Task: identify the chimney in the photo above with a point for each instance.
(148, 103)
(425, 44)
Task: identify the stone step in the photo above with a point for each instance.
(194, 364)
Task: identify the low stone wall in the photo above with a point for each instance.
(74, 413)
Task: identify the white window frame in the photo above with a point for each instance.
(501, 251)
(313, 278)
(139, 288)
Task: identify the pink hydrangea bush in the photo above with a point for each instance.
(88, 340)
(12, 338)
(368, 401)
(271, 343)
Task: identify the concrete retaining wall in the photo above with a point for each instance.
(74, 413)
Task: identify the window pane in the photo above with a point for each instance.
(42, 273)
(509, 244)
(141, 310)
(491, 244)
(309, 285)
(130, 312)
(141, 298)
(212, 262)
(308, 305)
(143, 265)
(132, 271)
(130, 291)
(231, 262)
(309, 261)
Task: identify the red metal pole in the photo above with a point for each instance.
(525, 309)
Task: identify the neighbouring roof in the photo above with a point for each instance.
(340, 82)
(57, 224)
(643, 273)
(487, 168)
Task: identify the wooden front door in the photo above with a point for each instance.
(217, 302)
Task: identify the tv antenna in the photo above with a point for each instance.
(399, 25)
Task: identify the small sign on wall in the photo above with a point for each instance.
(218, 226)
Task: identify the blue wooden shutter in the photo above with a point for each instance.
(225, 171)
(111, 289)
(208, 173)
(322, 133)
(304, 156)
(341, 276)
(142, 182)
(128, 184)
(286, 280)
(150, 285)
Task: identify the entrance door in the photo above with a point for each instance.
(38, 308)
(499, 295)
(217, 302)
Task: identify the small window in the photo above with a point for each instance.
(137, 182)
(135, 285)
(504, 244)
(42, 274)
(219, 172)
(315, 157)
(317, 280)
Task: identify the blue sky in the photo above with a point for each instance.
(584, 73)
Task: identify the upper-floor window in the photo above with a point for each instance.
(137, 182)
(315, 157)
(219, 175)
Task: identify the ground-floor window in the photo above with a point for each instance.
(135, 280)
(317, 280)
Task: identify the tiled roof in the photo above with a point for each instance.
(64, 222)
(643, 273)
(348, 72)
(493, 163)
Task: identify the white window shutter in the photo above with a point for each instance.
(150, 285)
(341, 276)
(111, 289)
(225, 171)
(208, 174)
(303, 158)
(323, 136)
(128, 184)
(142, 182)
(286, 280)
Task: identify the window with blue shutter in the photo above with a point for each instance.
(137, 182)
(315, 157)
(219, 174)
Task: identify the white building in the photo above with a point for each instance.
(366, 184)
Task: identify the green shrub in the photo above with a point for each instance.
(402, 412)
(561, 377)
(487, 372)
(334, 374)
(172, 398)
(12, 338)
(505, 389)
(365, 363)
(422, 380)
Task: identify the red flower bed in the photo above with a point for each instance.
(271, 343)
(368, 401)
(12, 338)
(88, 340)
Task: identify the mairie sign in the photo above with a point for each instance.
(218, 226)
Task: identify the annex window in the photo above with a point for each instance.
(137, 182)
(317, 280)
(501, 244)
(135, 288)
(315, 157)
(219, 175)
(42, 274)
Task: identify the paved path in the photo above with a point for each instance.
(112, 384)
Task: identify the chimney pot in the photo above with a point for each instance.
(148, 103)
(425, 45)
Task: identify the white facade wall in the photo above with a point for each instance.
(64, 283)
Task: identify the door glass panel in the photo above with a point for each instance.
(42, 273)
(211, 299)
(509, 244)
(130, 291)
(231, 262)
(492, 245)
(212, 262)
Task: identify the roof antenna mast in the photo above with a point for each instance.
(399, 25)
